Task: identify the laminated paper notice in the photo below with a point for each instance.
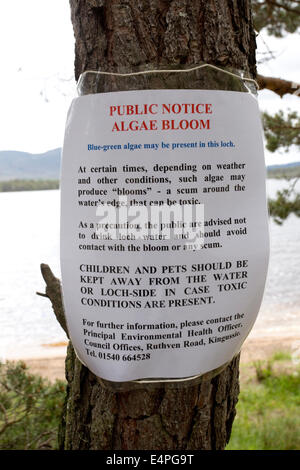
(164, 230)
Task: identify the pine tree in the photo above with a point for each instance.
(126, 35)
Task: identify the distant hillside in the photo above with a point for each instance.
(46, 166)
(22, 165)
(288, 170)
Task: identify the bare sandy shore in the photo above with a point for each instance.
(254, 348)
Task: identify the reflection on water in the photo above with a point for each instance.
(30, 235)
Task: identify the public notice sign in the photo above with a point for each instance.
(164, 230)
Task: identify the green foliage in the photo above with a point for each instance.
(286, 203)
(30, 409)
(28, 185)
(268, 411)
(278, 17)
(281, 131)
(281, 356)
(263, 371)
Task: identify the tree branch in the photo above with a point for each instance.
(7, 423)
(278, 85)
(283, 127)
(285, 7)
(53, 292)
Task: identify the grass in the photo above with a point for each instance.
(268, 415)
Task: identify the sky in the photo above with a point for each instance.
(37, 75)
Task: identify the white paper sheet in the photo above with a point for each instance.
(164, 230)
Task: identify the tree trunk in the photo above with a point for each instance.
(123, 35)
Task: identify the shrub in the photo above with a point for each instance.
(30, 409)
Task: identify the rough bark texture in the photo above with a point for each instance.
(197, 417)
(121, 34)
(125, 35)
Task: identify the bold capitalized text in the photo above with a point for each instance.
(174, 116)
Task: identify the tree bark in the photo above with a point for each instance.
(197, 417)
(124, 35)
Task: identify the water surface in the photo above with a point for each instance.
(30, 236)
